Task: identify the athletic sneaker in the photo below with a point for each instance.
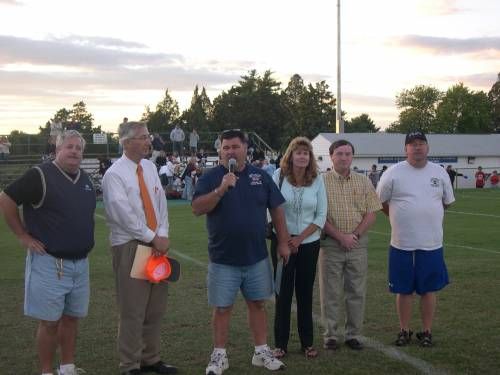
(72, 371)
(218, 363)
(425, 339)
(265, 358)
(404, 338)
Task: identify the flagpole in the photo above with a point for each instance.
(339, 121)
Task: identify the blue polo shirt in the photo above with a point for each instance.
(237, 225)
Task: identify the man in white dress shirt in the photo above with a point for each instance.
(141, 304)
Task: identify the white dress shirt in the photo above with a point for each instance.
(123, 204)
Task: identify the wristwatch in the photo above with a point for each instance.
(356, 235)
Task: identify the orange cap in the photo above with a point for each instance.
(158, 268)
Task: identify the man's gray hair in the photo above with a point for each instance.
(127, 130)
(69, 134)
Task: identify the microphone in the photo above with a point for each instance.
(231, 165)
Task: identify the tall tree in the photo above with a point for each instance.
(361, 124)
(165, 115)
(494, 97)
(252, 105)
(463, 111)
(77, 116)
(61, 115)
(80, 116)
(310, 109)
(197, 115)
(418, 109)
(206, 104)
(146, 115)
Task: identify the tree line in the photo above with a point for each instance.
(457, 110)
(257, 102)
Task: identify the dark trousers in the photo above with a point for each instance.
(299, 274)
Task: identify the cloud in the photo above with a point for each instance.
(11, 2)
(477, 81)
(439, 7)
(368, 100)
(98, 41)
(66, 52)
(78, 63)
(441, 45)
(173, 78)
(313, 78)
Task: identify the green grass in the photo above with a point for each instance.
(466, 330)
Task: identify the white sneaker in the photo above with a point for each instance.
(266, 359)
(218, 363)
(73, 371)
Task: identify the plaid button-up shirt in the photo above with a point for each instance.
(349, 199)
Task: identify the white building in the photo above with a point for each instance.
(464, 152)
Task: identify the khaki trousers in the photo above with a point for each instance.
(342, 276)
(141, 307)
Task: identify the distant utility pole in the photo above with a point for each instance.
(340, 121)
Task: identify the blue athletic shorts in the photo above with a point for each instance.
(48, 297)
(224, 281)
(420, 271)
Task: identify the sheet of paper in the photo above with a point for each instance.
(142, 255)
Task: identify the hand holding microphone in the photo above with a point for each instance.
(231, 177)
(231, 165)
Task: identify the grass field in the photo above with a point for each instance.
(466, 331)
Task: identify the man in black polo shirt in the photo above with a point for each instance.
(58, 209)
(235, 203)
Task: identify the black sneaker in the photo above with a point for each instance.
(404, 338)
(354, 344)
(134, 371)
(330, 344)
(160, 367)
(425, 339)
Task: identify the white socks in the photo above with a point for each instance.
(220, 350)
(260, 348)
(67, 368)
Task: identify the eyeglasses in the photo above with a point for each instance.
(142, 137)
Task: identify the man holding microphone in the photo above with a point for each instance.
(235, 196)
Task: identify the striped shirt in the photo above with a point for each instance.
(349, 199)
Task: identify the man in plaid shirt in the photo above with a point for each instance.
(343, 258)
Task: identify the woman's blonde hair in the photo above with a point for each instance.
(286, 163)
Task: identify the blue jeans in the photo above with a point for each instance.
(188, 189)
(224, 281)
(48, 295)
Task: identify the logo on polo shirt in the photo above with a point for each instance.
(255, 179)
(87, 188)
(434, 182)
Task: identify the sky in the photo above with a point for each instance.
(119, 56)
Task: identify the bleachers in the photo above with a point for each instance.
(27, 154)
(15, 167)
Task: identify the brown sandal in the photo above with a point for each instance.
(279, 353)
(310, 352)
